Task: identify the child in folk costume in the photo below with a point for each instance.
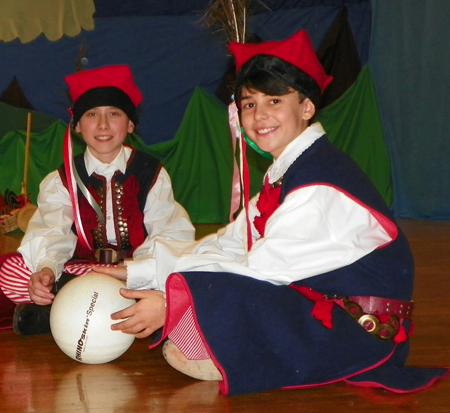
(321, 289)
(107, 205)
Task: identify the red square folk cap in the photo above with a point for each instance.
(297, 50)
(118, 76)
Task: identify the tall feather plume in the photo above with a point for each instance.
(229, 16)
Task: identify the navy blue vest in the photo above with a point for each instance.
(387, 272)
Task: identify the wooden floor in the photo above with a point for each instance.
(36, 376)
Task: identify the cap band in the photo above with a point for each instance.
(271, 74)
(104, 96)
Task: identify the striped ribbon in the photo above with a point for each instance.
(245, 179)
(235, 127)
(69, 168)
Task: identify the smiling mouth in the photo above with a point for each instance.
(265, 131)
(103, 138)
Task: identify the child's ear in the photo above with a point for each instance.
(77, 127)
(131, 127)
(309, 109)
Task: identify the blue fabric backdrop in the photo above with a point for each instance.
(171, 54)
(410, 57)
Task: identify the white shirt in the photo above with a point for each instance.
(50, 242)
(315, 230)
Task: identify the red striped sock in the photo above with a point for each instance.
(187, 338)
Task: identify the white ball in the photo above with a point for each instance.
(80, 319)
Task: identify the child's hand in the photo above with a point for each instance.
(40, 286)
(144, 317)
(118, 271)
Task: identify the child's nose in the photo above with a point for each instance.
(103, 122)
(260, 113)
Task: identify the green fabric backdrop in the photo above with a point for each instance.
(13, 118)
(353, 125)
(45, 156)
(199, 159)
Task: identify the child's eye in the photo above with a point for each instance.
(248, 105)
(275, 101)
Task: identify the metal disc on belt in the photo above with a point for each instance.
(24, 215)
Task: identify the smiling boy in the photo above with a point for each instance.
(322, 291)
(123, 203)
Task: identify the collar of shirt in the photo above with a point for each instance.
(294, 150)
(104, 169)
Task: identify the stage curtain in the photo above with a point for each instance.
(353, 124)
(27, 19)
(45, 155)
(13, 118)
(410, 60)
(200, 159)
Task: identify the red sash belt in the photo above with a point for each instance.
(384, 306)
(381, 317)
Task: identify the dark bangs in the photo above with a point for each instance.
(275, 77)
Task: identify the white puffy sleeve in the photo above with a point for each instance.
(49, 240)
(317, 229)
(167, 223)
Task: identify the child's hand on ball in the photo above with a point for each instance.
(116, 271)
(144, 317)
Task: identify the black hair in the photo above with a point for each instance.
(276, 77)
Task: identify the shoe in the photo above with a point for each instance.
(31, 319)
(198, 369)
